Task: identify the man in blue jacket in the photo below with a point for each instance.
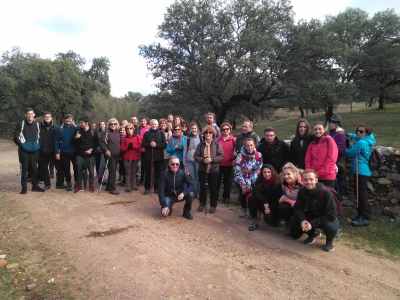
(175, 186)
(64, 149)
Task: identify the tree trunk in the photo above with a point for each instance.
(381, 100)
(370, 101)
(301, 111)
(329, 113)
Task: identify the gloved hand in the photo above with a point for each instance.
(130, 146)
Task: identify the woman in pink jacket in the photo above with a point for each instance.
(322, 154)
(227, 141)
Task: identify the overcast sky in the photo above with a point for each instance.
(115, 29)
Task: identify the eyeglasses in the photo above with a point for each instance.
(113, 123)
(129, 128)
(174, 164)
(177, 129)
(225, 129)
(207, 132)
(334, 122)
(360, 131)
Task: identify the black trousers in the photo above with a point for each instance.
(112, 172)
(66, 159)
(226, 172)
(212, 183)
(156, 172)
(285, 211)
(28, 161)
(44, 162)
(256, 205)
(363, 207)
(121, 170)
(329, 229)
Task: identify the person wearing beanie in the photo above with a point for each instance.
(46, 141)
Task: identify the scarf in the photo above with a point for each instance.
(271, 146)
(207, 153)
(267, 182)
(178, 140)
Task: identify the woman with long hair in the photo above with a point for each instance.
(188, 155)
(265, 196)
(299, 144)
(208, 155)
(246, 171)
(359, 153)
(321, 156)
(227, 140)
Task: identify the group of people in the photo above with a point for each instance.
(180, 161)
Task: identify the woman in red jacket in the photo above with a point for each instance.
(227, 141)
(131, 144)
(322, 154)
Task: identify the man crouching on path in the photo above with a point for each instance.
(171, 189)
(313, 210)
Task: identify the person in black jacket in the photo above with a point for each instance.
(299, 144)
(86, 141)
(274, 151)
(314, 210)
(175, 186)
(154, 143)
(265, 197)
(27, 132)
(46, 141)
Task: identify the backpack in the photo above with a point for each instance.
(375, 160)
(333, 192)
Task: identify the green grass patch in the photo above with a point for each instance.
(385, 124)
(381, 238)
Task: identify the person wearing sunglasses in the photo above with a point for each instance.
(361, 151)
(176, 143)
(175, 186)
(188, 155)
(227, 141)
(130, 147)
(208, 155)
(110, 145)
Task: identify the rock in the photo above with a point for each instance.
(392, 209)
(376, 209)
(383, 181)
(394, 193)
(380, 198)
(30, 287)
(386, 151)
(393, 176)
(11, 266)
(394, 201)
(51, 280)
(375, 174)
(3, 256)
(3, 263)
(349, 203)
(371, 188)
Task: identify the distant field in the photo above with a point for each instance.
(386, 125)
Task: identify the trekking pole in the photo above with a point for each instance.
(151, 167)
(104, 174)
(205, 211)
(130, 172)
(357, 181)
(85, 174)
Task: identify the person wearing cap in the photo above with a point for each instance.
(64, 149)
(334, 127)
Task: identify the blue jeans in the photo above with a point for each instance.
(193, 168)
(188, 203)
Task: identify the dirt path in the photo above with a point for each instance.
(212, 257)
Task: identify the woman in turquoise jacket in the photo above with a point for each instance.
(176, 144)
(361, 151)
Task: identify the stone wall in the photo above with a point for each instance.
(7, 129)
(383, 187)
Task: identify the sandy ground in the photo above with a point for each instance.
(214, 256)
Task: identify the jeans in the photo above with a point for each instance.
(212, 183)
(193, 168)
(90, 161)
(188, 204)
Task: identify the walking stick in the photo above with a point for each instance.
(205, 211)
(130, 172)
(104, 174)
(85, 173)
(151, 167)
(357, 181)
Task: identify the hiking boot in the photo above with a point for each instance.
(329, 246)
(254, 225)
(146, 192)
(120, 178)
(187, 215)
(69, 186)
(286, 231)
(134, 188)
(114, 192)
(339, 232)
(78, 189)
(212, 209)
(23, 192)
(37, 188)
(311, 238)
(61, 187)
(226, 200)
(360, 222)
(123, 185)
(243, 213)
(128, 190)
(201, 207)
(47, 187)
(91, 188)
